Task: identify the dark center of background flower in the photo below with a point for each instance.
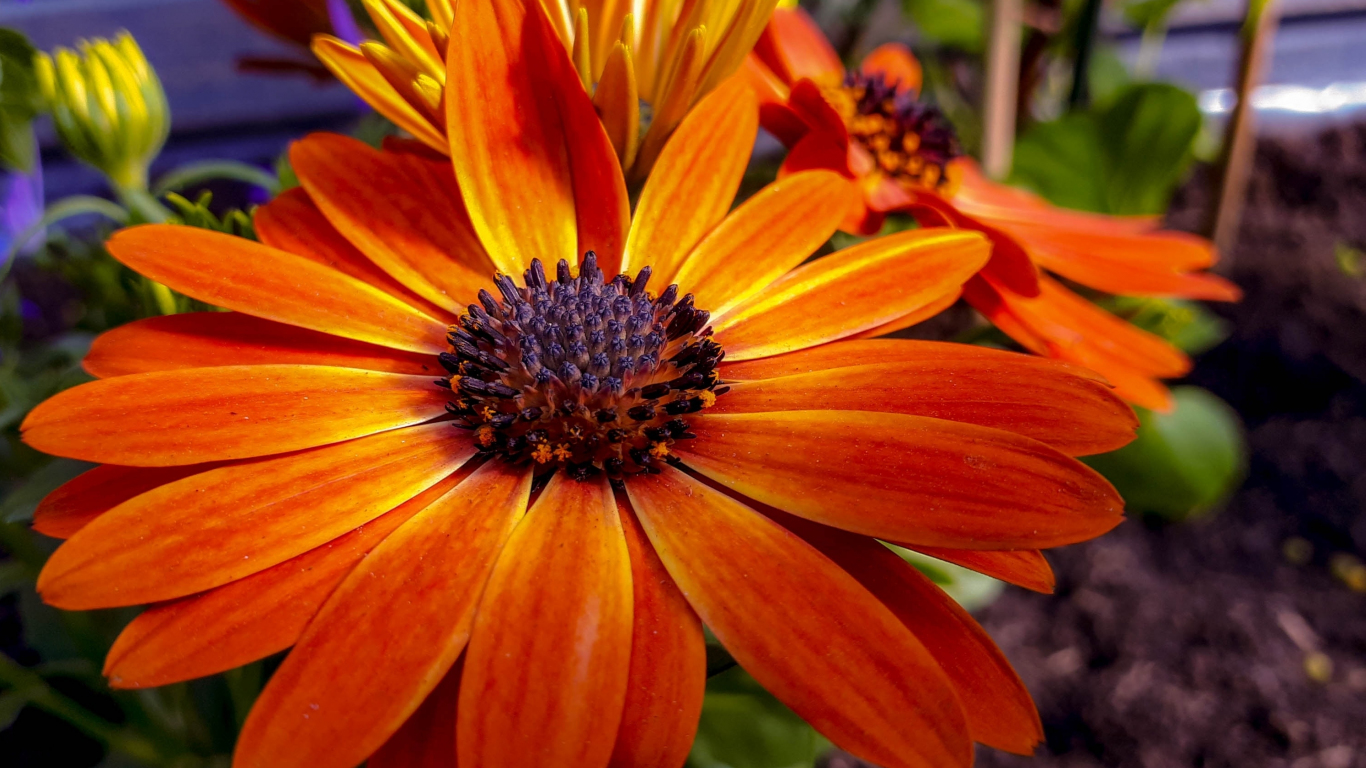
(579, 373)
(910, 140)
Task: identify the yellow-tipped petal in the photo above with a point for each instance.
(672, 104)
(618, 104)
(357, 72)
(443, 13)
(582, 52)
(403, 76)
(406, 33)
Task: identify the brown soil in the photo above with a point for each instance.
(1198, 644)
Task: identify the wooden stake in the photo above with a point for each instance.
(1003, 77)
(1239, 150)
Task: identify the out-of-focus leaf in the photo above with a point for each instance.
(1148, 135)
(20, 101)
(1108, 75)
(13, 575)
(949, 23)
(1063, 160)
(1124, 157)
(20, 502)
(1186, 324)
(744, 726)
(1145, 12)
(1350, 260)
(1183, 463)
(11, 702)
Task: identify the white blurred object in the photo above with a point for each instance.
(1292, 99)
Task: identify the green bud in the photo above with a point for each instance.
(108, 106)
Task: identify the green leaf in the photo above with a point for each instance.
(11, 702)
(1064, 161)
(1183, 463)
(1124, 157)
(744, 726)
(20, 101)
(1148, 136)
(949, 23)
(1186, 324)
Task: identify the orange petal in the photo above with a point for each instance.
(843, 354)
(250, 618)
(236, 273)
(83, 498)
(427, 738)
(765, 238)
(1124, 263)
(401, 210)
(999, 711)
(1022, 567)
(718, 134)
(914, 318)
(764, 81)
(1075, 415)
(668, 663)
(919, 480)
(897, 65)
(168, 418)
(617, 100)
(803, 627)
(228, 523)
(527, 144)
(1084, 333)
(215, 339)
(850, 291)
(795, 47)
(1010, 263)
(546, 670)
(389, 633)
(292, 222)
(351, 67)
(811, 105)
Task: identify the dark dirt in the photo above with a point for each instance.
(1193, 645)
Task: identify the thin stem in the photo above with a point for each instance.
(1150, 48)
(196, 173)
(37, 692)
(139, 201)
(1081, 66)
(63, 209)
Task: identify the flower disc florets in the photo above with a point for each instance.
(579, 373)
(911, 141)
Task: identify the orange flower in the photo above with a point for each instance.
(903, 154)
(665, 54)
(513, 568)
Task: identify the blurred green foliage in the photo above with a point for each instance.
(20, 101)
(744, 726)
(1184, 463)
(949, 23)
(1123, 156)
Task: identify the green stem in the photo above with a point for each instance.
(38, 693)
(1086, 43)
(63, 209)
(207, 170)
(1150, 47)
(143, 204)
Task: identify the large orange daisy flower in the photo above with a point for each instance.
(664, 54)
(869, 125)
(491, 515)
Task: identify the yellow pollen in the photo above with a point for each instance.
(542, 454)
(707, 397)
(562, 452)
(488, 412)
(910, 142)
(660, 450)
(484, 436)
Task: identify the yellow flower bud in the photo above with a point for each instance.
(108, 106)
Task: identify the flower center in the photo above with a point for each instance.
(910, 141)
(579, 373)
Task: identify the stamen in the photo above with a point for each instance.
(581, 374)
(911, 141)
